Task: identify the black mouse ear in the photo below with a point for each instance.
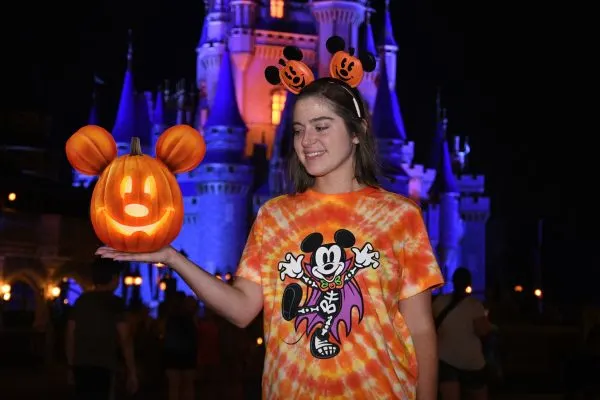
(344, 238)
(292, 53)
(335, 44)
(368, 61)
(311, 242)
(272, 75)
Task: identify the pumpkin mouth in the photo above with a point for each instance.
(300, 85)
(337, 72)
(149, 229)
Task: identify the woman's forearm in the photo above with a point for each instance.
(229, 301)
(427, 359)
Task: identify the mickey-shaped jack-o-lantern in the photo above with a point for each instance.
(293, 74)
(136, 204)
(345, 66)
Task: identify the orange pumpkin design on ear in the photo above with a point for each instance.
(345, 66)
(293, 74)
(137, 204)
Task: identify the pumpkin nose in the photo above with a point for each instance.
(343, 72)
(136, 210)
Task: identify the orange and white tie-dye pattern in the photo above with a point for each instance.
(333, 269)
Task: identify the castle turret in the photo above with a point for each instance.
(444, 194)
(388, 48)
(158, 117)
(336, 17)
(212, 45)
(368, 86)
(278, 177)
(393, 147)
(216, 194)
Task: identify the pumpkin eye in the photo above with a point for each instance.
(150, 186)
(126, 186)
(343, 64)
(350, 66)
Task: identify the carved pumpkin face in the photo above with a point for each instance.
(293, 74)
(344, 65)
(136, 204)
(346, 68)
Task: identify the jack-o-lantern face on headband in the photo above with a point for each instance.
(345, 66)
(293, 73)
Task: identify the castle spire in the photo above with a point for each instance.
(387, 118)
(388, 33)
(124, 128)
(445, 181)
(368, 40)
(225, 129)
(93, 118)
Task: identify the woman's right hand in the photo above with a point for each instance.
(164, 255)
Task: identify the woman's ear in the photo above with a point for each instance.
(355, 140)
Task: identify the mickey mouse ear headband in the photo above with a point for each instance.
(294, 74)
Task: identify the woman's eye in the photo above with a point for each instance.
(321, 128)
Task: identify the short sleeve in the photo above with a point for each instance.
(251, 261)
(420, 270)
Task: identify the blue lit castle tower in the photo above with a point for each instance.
(245, 122)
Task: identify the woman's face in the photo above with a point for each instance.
(321, 141)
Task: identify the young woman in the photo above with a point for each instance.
(342, 268)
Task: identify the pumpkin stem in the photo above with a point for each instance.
(135, 147)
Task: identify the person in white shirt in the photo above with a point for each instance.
(461, 323)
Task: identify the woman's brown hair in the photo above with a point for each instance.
(342, 99)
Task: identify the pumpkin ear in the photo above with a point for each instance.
(368, 61)
(181, 148)
(90, 150)
(335, 44)
(272, 75)
(292, 53)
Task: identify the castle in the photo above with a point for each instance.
(245, 122)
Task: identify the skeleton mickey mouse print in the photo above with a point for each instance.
(331, 288)
(334, 291)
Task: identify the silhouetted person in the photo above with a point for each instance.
(95, 329)
(461, 322)
(181, 347)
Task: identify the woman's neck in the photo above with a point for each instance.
(332, 185)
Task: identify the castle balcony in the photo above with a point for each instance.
(471, 184)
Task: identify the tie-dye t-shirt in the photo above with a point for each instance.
(333, 269)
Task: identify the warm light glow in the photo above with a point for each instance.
(218, 276)
(12, 196)
(159, 265)
(259, 341)
(277, 8)
(66, 301)
(537, 293)
(137, 281)
(129, 280)
(277, 105)
(163, 286)
(65, 279)
(6, 296)
(126, 186)
(468, 289)
(130, 230)
(54, 292)
(227, 276)
(136, 210)
(518, 288)
(5, 288)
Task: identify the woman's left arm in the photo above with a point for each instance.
(416, 311)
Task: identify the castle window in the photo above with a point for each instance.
(277, 104)
(277, 8)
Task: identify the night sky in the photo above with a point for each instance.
(460, 46)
